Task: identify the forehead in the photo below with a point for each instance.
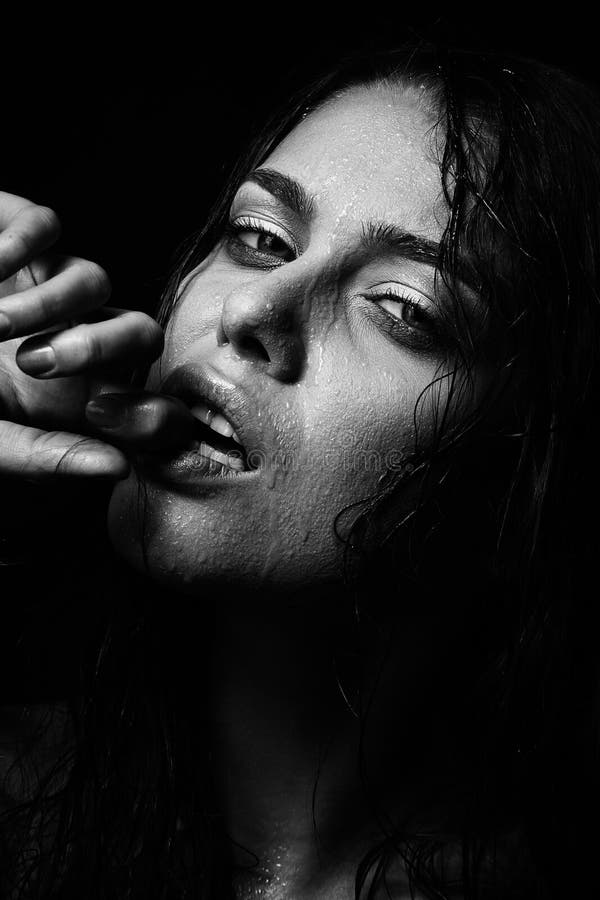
(368, 154)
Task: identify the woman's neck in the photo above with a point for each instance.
(287, 743)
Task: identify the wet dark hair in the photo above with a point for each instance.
(502, 532)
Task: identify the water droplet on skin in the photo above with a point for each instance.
(319, 361)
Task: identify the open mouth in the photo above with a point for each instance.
(218, 436)
(215, 440)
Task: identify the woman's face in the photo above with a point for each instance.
(312, 329)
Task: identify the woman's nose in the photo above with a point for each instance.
(265, 329)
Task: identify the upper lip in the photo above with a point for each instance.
(194, 382)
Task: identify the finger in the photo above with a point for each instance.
(129, 337)
(80, 286)
(28, 230)
(154, 421)
(37, 455)
(10, 206)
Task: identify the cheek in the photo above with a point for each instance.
(357, 429)
(195, 315)
(351, 455)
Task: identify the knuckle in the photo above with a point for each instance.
(67, 459)
(48, 302)
(51, 456)
(94, 277)
(43, 444)
(47, 220)
(42, 456)
(17, 242)
(149, 329)
(93, 347)
(46, 305)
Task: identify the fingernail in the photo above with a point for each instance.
(105, 411)
(37, 360)
(5, 326)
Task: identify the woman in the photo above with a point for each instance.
(362, 462)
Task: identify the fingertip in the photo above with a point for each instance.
(101, 462)
(113, 467)
(115, 472)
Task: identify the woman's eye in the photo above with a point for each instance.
(256, 239)
(265, 242)
(408, 309)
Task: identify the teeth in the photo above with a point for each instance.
(220, 424)
(231, 460)
(203, 412)
(226, 459)
(214, 420)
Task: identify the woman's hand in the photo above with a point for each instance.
(85, 348)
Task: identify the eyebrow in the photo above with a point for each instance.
(376, 236)
(382, 236)
(287, 190)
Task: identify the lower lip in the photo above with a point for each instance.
(190, 466)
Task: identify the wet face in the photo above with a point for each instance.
(311, 331)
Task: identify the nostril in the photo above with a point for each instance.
(253, 347)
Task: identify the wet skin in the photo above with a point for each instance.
(294, 333)
(317, 342)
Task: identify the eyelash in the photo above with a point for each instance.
(238, 226)
(424, 340)
(393, 325)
